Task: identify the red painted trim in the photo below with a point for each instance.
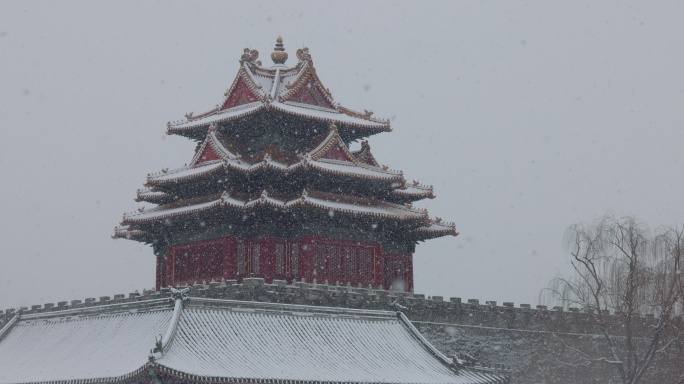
(170, 267)
(158, 280)
(310, 94)
(241, 95)
(229, 257)
(337, 153)
(208, 154)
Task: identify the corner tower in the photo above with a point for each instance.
(274, 191)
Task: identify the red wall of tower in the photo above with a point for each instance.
(308, 258)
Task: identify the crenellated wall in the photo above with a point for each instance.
(531, 343)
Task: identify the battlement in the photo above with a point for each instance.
(434, 309)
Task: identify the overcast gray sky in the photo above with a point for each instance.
(527, 117)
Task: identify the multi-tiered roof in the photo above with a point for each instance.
(276, 149)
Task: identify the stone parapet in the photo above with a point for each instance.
(433, 309)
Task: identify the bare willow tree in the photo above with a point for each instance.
(624, 272)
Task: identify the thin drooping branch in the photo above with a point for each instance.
(623, 272)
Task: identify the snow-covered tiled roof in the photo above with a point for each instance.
(313, 160)
(185, 173)
(435, 228)
(78, 345)
(273, 89)
(415, 190)
(151, 196)
(200, 339)
(324, 201)
(290, 108)
(295, 345)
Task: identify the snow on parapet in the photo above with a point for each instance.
(424, 311)
(420, 307)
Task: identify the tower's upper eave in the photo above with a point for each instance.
(187, 127)
(295, 91)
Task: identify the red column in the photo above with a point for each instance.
(158, 279)
(267, 258)
(379, 265)
(170, 267)
(229, 257)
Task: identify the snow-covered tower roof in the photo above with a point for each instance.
(273, 189)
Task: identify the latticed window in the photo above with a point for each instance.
(210, 260)
(334, 261)
(319, 259)
(349, 262)
(241, 258)
(181, 265)
(256, 251)
(294, 260)
(366, 263)
(198, 261)
(193, 264)
(280, 259)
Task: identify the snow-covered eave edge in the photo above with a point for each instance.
(112, 379)
(422, 194)
(323, 165)
(125, 232)
(7, 327)
(436, 228)
(343, 119)
(154, 197)
(304, 201)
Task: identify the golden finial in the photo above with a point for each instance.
(279, 56)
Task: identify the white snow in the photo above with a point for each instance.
(84, 347)
(187, 172)
(284, 344)
(225, 115)
(234, 340)
(324, 114)
(161, 212)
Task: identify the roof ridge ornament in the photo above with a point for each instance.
(304, 56)
(279, 56)
(398, 307)
(249, 57)
(178, 294)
